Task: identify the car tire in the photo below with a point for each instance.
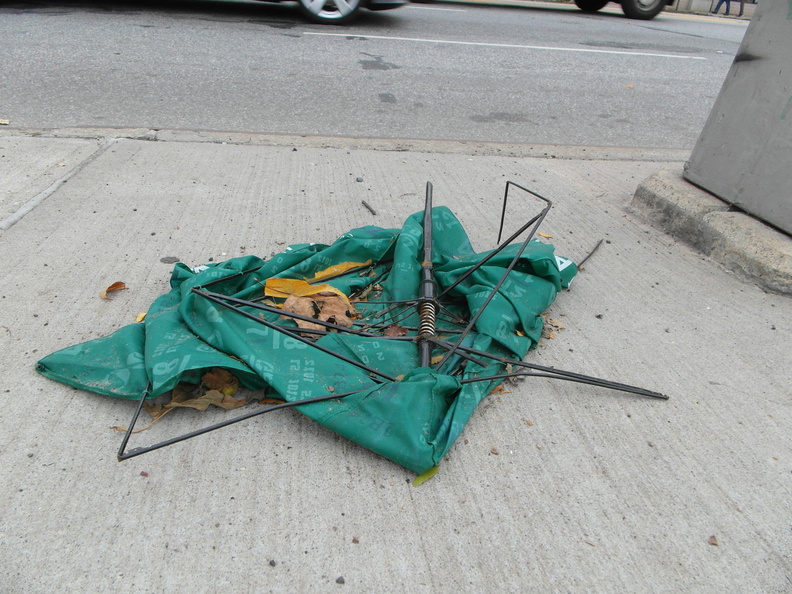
(590, 5)
(331, 12)
(642, 9)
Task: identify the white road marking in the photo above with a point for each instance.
(508, 45)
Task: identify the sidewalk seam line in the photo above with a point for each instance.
(30, 205)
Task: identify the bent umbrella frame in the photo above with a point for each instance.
(435, 316)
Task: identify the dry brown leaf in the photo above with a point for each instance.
(155, 410)
(192, 396)
(499, 389)
(222, 380)
(302, 306)
(713, 541)
(117, 286)
(325, 306)
(334, 309)
(395, 330)
(230, 403)
(204, 401)
(551, 326)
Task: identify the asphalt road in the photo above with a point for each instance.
(442, 71)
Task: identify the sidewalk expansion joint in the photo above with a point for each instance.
(30, 205)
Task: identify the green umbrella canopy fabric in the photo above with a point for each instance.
(409, 413)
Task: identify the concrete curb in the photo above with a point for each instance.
(449, 147)
(734, 239)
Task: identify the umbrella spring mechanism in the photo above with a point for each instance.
(427, 314)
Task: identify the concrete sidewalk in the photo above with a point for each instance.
(554, 487)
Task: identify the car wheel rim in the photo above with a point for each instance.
(331, 9)
(648, 4)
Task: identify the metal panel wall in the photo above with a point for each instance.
(744, 153)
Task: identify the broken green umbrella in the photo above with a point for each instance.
(463, 320)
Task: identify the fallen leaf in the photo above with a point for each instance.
(336, 269)
(117, 286)
(204, 401)
(557, 324)
(302, 306)
(495, 452)
(140, 317)
(528, 422)
(551, 326)
(499, 389)
(334, 309)
(197, 397)
(155, 410)
(420, 480)
(630, 86)
(222, 380)
(545, 235)
(395, 330)
(283, 287)
(713, 541)
(325, 306)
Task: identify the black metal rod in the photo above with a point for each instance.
(468, 357)
(506, 197)
(427, 307)
(138, 451)
(296, 336)
(562, 373)
(135, 416)
(591, 382)
(501, 246)
(230, 277)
